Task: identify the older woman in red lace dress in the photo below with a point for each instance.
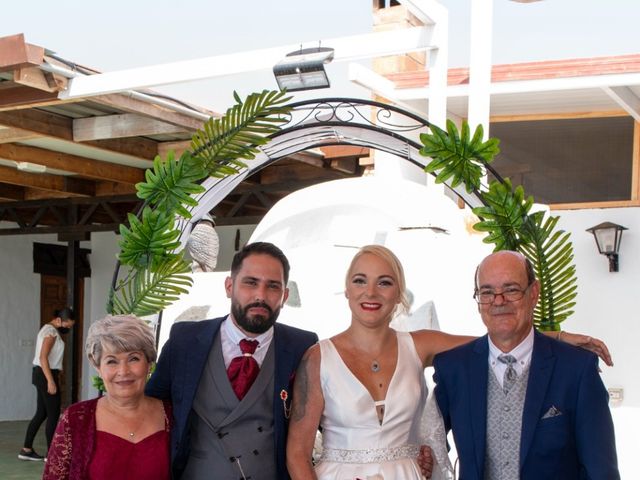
(123, 434)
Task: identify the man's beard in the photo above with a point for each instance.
(255, 323)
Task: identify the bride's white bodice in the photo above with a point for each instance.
(355, 443)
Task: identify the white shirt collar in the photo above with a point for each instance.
(522, 354)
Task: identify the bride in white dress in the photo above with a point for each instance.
(389, 428)
(365, 387)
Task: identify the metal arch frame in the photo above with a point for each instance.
(324, 122)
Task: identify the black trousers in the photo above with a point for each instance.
(48, 407)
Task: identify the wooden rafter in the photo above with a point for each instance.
(132, 105)
(72, 163)
(119, 126)
(8, 135)
(68, 216)
(12, 192)
(36, 78)
(20, 96)
(61, 128)
(43, 181)
(16, 53)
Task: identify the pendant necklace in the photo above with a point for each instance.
(375, 366)
(130, 432)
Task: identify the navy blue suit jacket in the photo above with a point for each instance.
(577, 443)
(180, 367)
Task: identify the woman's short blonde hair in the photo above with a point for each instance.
(396, 267)
(120, 333)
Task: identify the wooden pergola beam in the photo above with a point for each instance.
(16, 53)
(36, 78)
(133, 105)
(59, 127)
(42, 181)
(41, 123)
(8, 135)
(12, 192)
(178, 148)
(20, 96)
(119, 126)
(72, 163)
(67, 216)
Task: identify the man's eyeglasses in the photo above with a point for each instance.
(511, 294)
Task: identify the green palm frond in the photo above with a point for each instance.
(456, 156)
(503, 216)
(149, 241)
(150, 291)
(170, 184)
(224, 141)
(551, 254)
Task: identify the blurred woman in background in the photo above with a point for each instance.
(47, 364)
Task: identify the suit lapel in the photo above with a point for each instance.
(478, 369)
(542, 363)
(196, 358)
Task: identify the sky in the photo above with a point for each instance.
(122, 34)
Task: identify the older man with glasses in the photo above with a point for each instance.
(522, 405)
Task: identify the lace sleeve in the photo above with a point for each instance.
(433, 433)
(59, 456)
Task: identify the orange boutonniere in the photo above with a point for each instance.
(284, 396)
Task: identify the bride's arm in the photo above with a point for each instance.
(431, 342)
(307, 407)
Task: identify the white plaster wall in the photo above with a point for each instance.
(607, 307)
(607, 303)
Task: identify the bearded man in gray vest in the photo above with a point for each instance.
(230, 379)
(522, 405)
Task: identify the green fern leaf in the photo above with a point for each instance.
(456, 156)
(503, 215)
(551, 253)
(149, 240)
(151, 291)
(171, 183)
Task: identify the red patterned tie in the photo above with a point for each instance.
(243, 370)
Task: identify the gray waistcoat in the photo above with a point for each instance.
(504, 425)
(232, 439)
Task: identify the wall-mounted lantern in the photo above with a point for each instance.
(608, 236)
